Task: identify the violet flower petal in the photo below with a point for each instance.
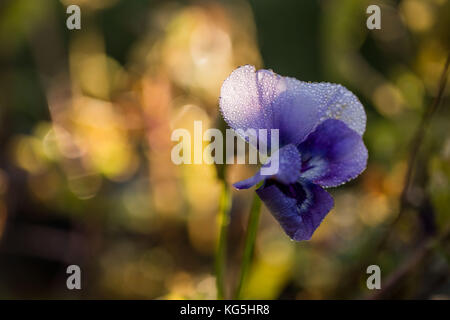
(299, 207)
(334, 101)
(332, 154)
(289, 168)
(262, 99)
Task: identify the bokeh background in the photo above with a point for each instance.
(85, 170)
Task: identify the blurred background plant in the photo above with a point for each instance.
(85, 170)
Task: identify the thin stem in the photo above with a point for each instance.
(415, 150)
(221, 252)
(250, 238)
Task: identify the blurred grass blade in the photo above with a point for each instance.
(224, 220)
(252, 228)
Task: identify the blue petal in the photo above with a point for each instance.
(336, 102)
(284, 166)
(262, 99)
(333, 154)
(250, 182)
(299, 207)
(241, 103)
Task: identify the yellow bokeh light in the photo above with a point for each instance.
(418, 14)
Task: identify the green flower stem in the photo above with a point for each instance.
(224, 220)
(252, 228)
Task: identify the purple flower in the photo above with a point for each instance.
(320, 137)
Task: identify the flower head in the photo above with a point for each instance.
(320, 131)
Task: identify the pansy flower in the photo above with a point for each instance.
(320, 141)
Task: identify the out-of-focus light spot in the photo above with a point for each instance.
(388, 100)
(66, 143)
(91, 69)
(373, 179)
(156, 100)
(206, 287)
(181, 285)
(380, 196)
(209, 45)
(373, 208)
(50, 145)
(275, 250)
(186, 286)
(44, 131)
(412, 89)
(196, 50)
(393, 182)
(85, 186)
(200, 182)
(99, 129)
(418, 14)
(28, 154)
(430, 63)
(186, 116)
(201, 47)
(92, 74)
